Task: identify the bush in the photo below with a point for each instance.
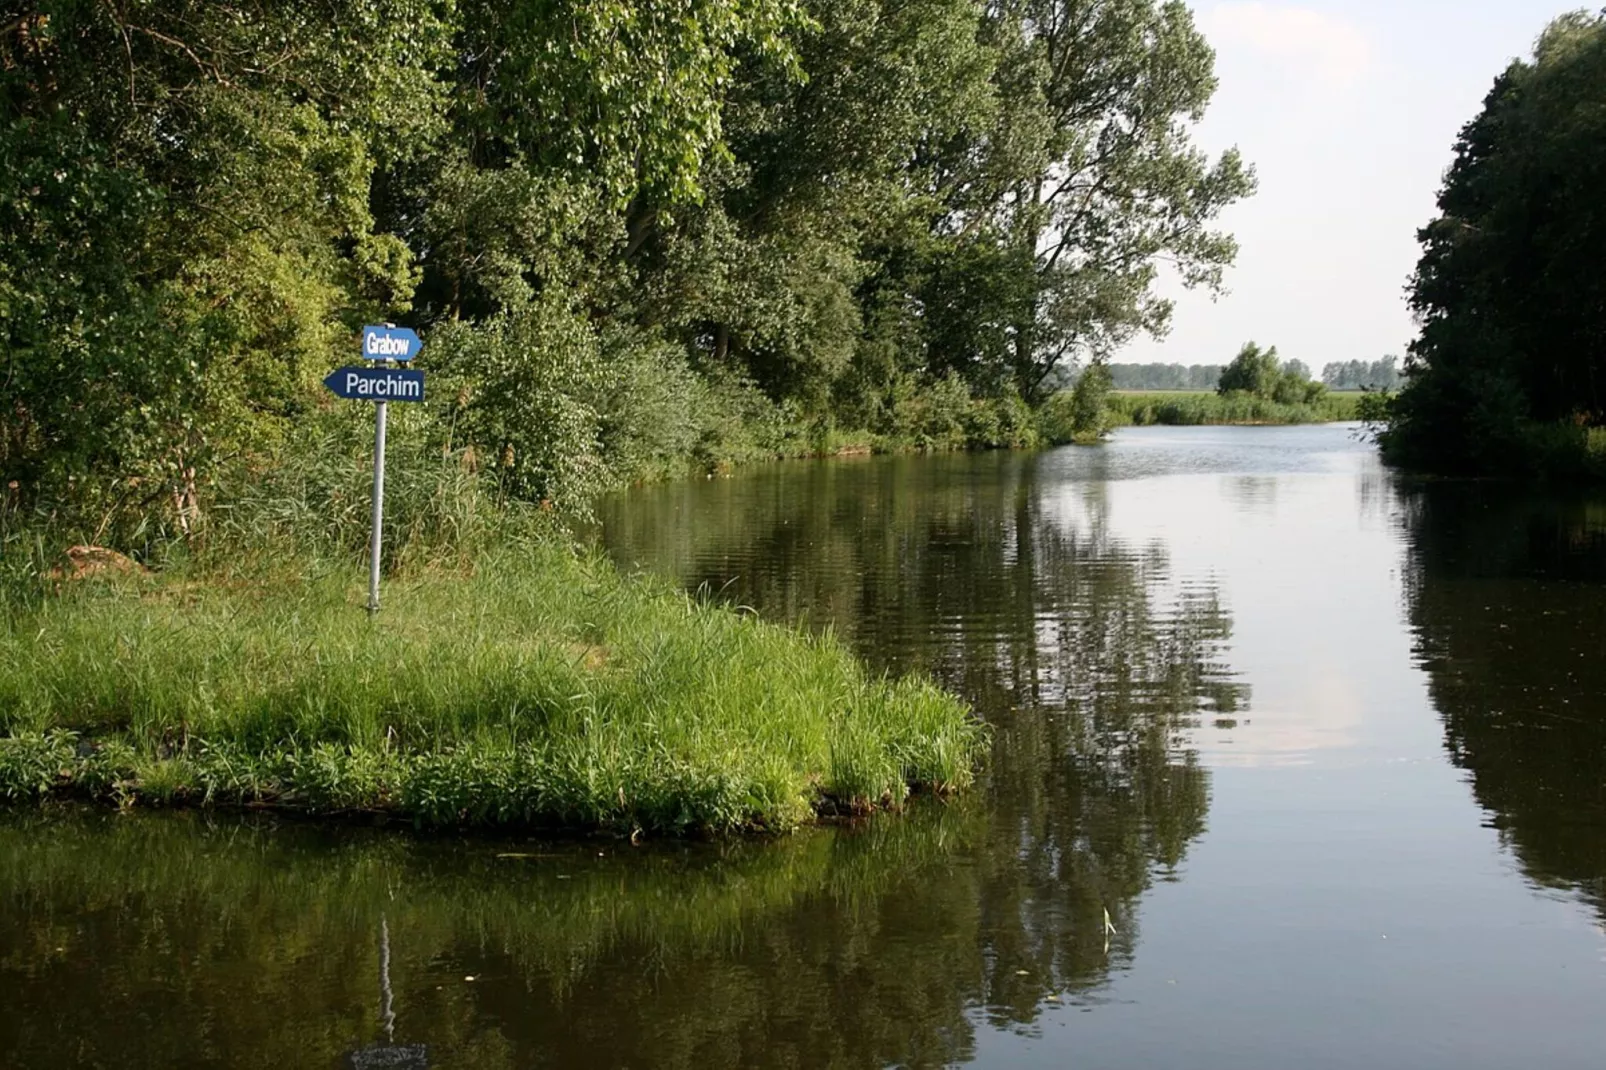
(525, 386)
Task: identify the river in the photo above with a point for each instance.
(1296, 762)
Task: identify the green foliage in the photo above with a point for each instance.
(1197, 409)
(1505, 375)
(524, 384)
(635, 237)
(186, 225)
(1094, 179)
(1081, 414)
(1253, 371)
(1363, 375)
(1165, 376)
(627, 93)
(1258, 373)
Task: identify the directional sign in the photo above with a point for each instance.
(390, 343)
(377, 384)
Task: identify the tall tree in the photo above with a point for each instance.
(820, 218)
(1253, 371)
(1508, 292)
(1089, 180)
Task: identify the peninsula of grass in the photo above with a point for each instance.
(531, 687)
(1206, 408)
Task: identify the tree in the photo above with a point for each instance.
(1253, 371)
(800, 267)
(1507, 367)
(629, 95)
(1360, 375)
(608, 219)
(186, 227)
(1258, 372)
(1089, 398)
(1087, 179)
(1165, 376)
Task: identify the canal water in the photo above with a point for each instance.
(1296, 762)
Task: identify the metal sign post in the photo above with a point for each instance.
(381, 385)
(375, 538)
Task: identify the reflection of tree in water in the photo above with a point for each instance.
(1015, 594)
(1508, 599)
(1253, 494)
(158, 943)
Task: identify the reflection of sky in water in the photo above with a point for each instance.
(1141, 453)
(1349, 905)
(1311, 581)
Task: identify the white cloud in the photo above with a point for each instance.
(1336, 51)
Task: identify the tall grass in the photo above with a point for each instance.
(530, 687)
(1189, 409)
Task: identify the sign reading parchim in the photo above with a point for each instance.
(377, 384)
(384, 342)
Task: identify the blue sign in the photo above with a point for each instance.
(390, 343)
(377, 384)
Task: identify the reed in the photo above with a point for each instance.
(1188, 409)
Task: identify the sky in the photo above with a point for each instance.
(1349, 111)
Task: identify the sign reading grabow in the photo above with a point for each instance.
(377, 384)
(390, 343)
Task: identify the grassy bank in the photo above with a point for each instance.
(1189, 409)
(522, 686)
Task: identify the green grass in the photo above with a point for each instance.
(526, 687)
(1190, 408)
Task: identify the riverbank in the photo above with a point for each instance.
(1201, 408)
(525, 686)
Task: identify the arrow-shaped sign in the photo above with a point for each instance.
(377, 384)
(390, 343)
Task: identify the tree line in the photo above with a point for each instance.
(1381, 374)
(1508, 374)
(1363, 375)
(630, 234)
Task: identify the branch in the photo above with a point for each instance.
(207, 68)
(128, 50)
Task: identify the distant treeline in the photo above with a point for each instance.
(1340, 375)
(1359, 375)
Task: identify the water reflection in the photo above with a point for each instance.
(999, 575)
(249, 943)
(1508, 599)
